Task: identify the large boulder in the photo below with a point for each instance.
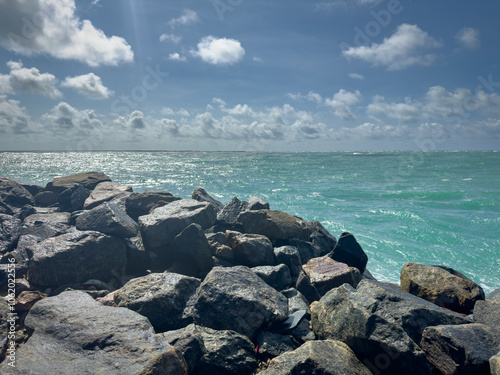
(108, 218)
(161, 226)
(495, 364)
(276, 276)
(487, 312)
(160, 297)
(325, 357)
(230, 211)
(76, 257)
(307, 250)
(236, 298)
(271, 345)
(201, 195)
(73, 198)
(45, 226)
(494, 296)
(89, 180)
(440, 285)
(10, 230)
(349, 251)
(290, 256)
(461, 349)
(189, 341)
(278, 226)
(73, 334)
(104, 192)
(219, 246)
(12, 193)
(139, 204)
(251, 249)
(320, 237)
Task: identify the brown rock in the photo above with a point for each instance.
(27, 299)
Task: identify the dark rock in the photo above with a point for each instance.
(73, 334)
(321, 238)
(274, 344)
(325, 357)
(5, 209)
(6, 273)
(121, 201)
(73, 198)
(296, 301)
(349, 251)
(161, 297)
(4, 326)
(161, 226)
(10, 230)
(23, 212)
(367, 275)
(139, 204)
(325, 274)
(201, 195)
(289, 256)
(47, 198)
(219, 246)
(108, 218)
(104, 192)
(189, 341)
(276, 276)
(495, 364)
(229, 212)
(138, 260)
(303, 332)
(14, 194)
(20, 253)
(76, 257)
(487, 312)
(278, 226)
(32, 189)
(251, 249)
(236, 298)
(495, 295)
(45, 226)
(304, 286)
(89, 180)
(25, 300)
(438, 285)
(292, 322)
(461, 349)
(255, 203)
(307, 250)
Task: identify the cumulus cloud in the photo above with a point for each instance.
(403, 112)
(66, 121)
(133, 121)
(14, 119)
(51, 27)
(89, 85)
(342, 102)
(21, 79)
(177, 57)
(405, 48)
(219, 51)
(375, 131)
(170, 38)
(468, 37)
(188, 17)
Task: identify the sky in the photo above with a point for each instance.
(249, 75)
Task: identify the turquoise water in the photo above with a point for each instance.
(432, 208)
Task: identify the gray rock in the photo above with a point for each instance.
(108, 218)
(4, 326)
(276, 276)
(76, 257)
(32, 189)
(161, 226)
(201, 195)
(229, 213)
(274, 344)
(161, 297)
(139, 204)
(189, 341)
(47, 198)
(289, 256)
(73, 198)
(89, 180)
(321, 238)
(461, 349)
(487, 312)
(255, 203)
(303, 332)
(138, 260)
(443, 286)
(236, 298)
(12, 193)
(304, 286)
(495, 364)
(73, 334)
(296, 301)
(349, 251)
(219, 246)
(325, 357)
(251, 249)
(307, 250)
(10, 230)
(45, 226)
(103, 192)
(494, 296)
(6, 273)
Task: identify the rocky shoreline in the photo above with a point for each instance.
(96, 278)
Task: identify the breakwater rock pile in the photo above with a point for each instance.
(99, 279)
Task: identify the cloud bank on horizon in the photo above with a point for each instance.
(221, 75)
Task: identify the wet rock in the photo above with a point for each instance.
(487, 312)
(103, 192)
(276, 276)
(45, 226)
(321, 238)
(201, 195)
(307, 250)
(89, 180)
(289, 256)
(108, 218)
(73, 334)
(189, 341)
(13, 194)
(139, 204)
(495, 364)
(25, 300)
(251, 249)
(161, 297)
(273, 344)
(349, 251)
(325, 357)
(161, 226)
(236, 298)
(76, 257)
(229, 212)
(10, 230)
(461, 349)
(444, 287)
(278, 226)
(325, 274)
(219, 246)
(255, 203)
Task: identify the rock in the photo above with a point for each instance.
(6, 271)
(276, 276)
(14, 194)
(20, 253)
(10, 230)
(381, 324)
(302, 332)
(273, 344)
(160, 297)
(47, 198)
(103, 192)
(138, 260)
(4, 326)
(25, 300)
(5, 209)
(487, 312)
(321, 238)
(495, 295)
(325, 274)
(73, 334)
(495, 364)
(89, 180)
(255, 203)
(139, 204)
(461, 349)
(307, 250)
(201, 195)
(32, 189)
(278, 226)
(219, 246)
(189, 341)
(304, 286)
(46, 226)
(161, 226)
(350, 252)
(251, 249)
(289, 256)
(229, 212)
(73, 198)
(325, 357)
(236, 298)
(76, 257)
(296, 301)
(438, 285)
(108, 218)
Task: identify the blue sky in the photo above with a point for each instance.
(249, 75)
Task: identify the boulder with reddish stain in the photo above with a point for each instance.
(26, 300)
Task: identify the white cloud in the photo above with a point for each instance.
(170, 38)
(468, 37)
(13, 118)
(219, 51)
(89, 85)
(311, 96)
(66, 121)
(170, 112)
(177, 57)
(356, 76)
(21, 79)
(403, 112)
(406, 47)
(133, 121)
(342, 102)
(51, 27)
(375, 131)
(188, 17)
(257, 59)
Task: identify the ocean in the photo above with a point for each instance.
(426, 207)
